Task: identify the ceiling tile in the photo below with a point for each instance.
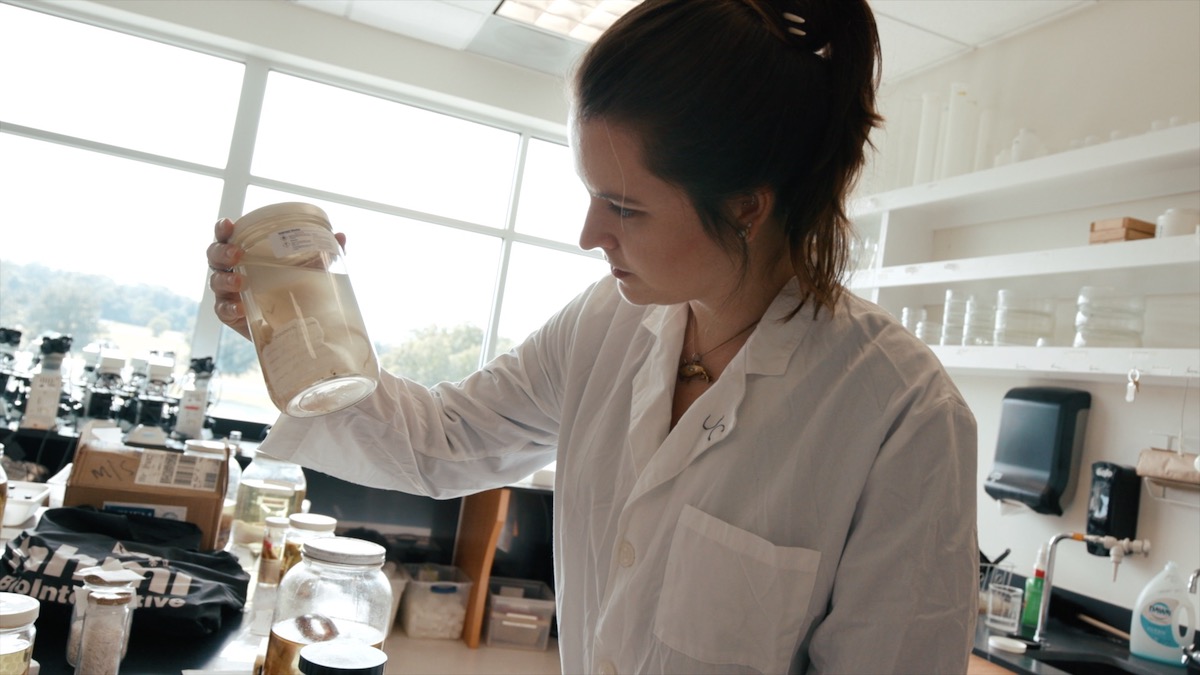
(907, 50)
(434, 21)
(335, 7)
(974, 22)
(477, 6)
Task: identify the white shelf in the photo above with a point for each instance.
(1169, 265)
(998, 216)
(1067, 362)
(1157, 163)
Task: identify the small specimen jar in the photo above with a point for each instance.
(96, 584)
(301, 528)
(105, 632)
(308, 331)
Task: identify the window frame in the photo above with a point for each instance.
(236, 176)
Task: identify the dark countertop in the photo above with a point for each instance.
(1082, 648)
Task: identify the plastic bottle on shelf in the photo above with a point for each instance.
(1157, 631)
(1034, 586)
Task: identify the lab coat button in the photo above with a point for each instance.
(627, 555)
(606, 668)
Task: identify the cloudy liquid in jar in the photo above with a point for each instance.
(256, 500)
(15, 655)
(310, 337)
(289, 636)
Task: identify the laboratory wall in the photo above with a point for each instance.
(1112, 66)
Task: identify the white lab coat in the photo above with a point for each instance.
(813, 511)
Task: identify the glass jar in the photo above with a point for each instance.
(95, 584)
(338, 590)
(17, 632)
(105, 633)
(304, 320)
(301, 528)
(268, 487)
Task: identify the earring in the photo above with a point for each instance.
(744, 232)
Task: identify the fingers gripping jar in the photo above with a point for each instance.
(338, 591)
(305, 322)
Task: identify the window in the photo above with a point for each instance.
(113, 153)
(363, 146)
(101, 85)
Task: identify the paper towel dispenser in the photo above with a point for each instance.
(1038, 448)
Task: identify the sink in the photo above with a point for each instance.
(1085, 663)
(1092, 665)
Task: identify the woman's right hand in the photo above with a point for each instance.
(225, 283)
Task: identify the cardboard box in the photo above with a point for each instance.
(1105, 236)
(1124, 224)
(113, 477)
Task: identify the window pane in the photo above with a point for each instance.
(553, 201)
(79, 80)
(102, 248)
(540, 281)
(341, 141)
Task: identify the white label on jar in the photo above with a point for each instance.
(295, 240)
(293, 353)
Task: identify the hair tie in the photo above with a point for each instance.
(794, 18)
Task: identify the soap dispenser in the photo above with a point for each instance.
(1158, 630)
(1034, 585)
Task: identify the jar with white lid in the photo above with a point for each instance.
(338, 591)
(304, 320)
(301, 528)
(17, 632)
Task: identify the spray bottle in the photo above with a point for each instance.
(1033, 591)
(1158, 627)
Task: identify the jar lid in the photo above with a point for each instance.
(342, 656)
(267, 216)
(17, 610)
(110, 597)
(314, 522)
(344, 551)
(277, 521)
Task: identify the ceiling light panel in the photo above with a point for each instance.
(583, 20)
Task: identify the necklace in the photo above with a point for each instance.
(691, 368)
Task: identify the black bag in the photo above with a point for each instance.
(182, 592)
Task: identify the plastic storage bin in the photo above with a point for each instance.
(435, 601)
(519, 613)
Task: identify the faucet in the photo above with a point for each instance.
(1117, 550)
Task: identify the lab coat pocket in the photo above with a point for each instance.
(732, 597)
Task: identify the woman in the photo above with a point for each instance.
(756, 470)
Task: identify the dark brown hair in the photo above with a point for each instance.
(726, 99)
